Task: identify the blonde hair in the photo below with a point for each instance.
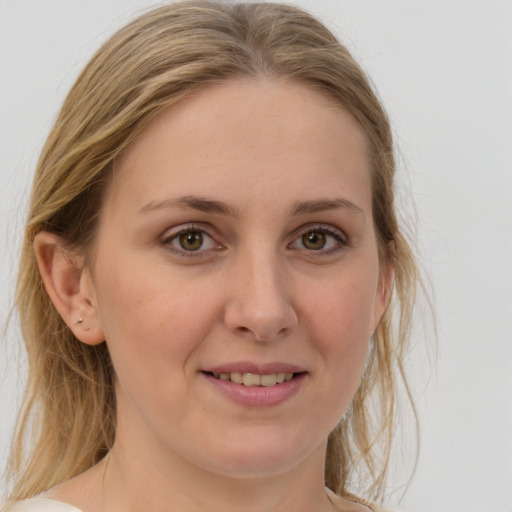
(68, 420)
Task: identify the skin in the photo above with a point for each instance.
(288, 167)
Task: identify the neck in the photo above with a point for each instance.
(140, 482)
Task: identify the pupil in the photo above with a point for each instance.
(191, 241)
(314, 240)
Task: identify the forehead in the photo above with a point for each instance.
(244, 136)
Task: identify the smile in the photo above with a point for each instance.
(255, 379)
(265, 386)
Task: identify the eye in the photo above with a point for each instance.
(189, 240)
(314, 240)
(321, 239)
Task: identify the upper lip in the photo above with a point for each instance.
(256, 368)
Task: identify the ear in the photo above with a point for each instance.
(384, 289)
(69, 286)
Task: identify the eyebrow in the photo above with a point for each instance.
(322, 205)
(203, 204)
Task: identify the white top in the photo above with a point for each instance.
(41, 505)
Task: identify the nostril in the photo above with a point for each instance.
(260, 335)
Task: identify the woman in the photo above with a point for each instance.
(205, 285)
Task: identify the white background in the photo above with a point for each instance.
(444, 71)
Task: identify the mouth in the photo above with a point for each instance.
(255, 379)
(257, 385)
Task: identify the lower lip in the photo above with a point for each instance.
(258, 396)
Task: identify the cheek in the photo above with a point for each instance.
(154, 336)
(342, 310)
(340, 323)
(150, 315)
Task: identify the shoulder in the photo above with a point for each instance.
(40, 505)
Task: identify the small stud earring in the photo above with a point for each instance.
(81, 321)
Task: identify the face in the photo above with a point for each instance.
(236, 277)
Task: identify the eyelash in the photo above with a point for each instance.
(169, 237)
(340, 240)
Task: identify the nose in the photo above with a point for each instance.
(260, 304)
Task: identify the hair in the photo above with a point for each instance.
(68, 419)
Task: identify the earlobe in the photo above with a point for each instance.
(69, 287)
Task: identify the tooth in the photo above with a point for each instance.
(269, 380)
(236, 377)
(254, 379)
(251, 379)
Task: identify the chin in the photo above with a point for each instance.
(252, 457)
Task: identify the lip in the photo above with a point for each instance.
(250, 367)
(257, 396)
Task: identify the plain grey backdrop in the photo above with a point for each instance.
(444, 71)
